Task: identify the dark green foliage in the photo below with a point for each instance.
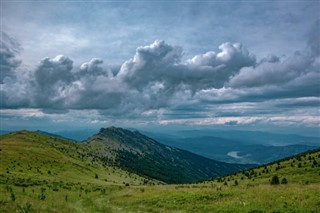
(236, 183)
(314, 163)
(12, 196)
(284, 181)
(275, 180)
(42, 195)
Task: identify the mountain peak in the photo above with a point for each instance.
(112, 131)
(111, 128)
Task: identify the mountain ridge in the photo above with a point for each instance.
(139, 153)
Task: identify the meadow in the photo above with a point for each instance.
(40, 175)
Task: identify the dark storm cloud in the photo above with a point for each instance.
(274, 72)
(51, 81)
(314, 38)
(9, 50)
(152, 79)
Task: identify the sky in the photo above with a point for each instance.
(160, 64)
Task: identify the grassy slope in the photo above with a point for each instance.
(252, 194)
(28, 158)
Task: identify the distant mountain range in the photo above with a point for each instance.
(53, 135)
(238, 146)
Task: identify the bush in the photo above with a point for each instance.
(42, 196)
(13, 196)
(275, 180)
(284, 181)
(314, 163)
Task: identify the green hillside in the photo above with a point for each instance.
(140, 154)
(28, 158)
(303, 168)
(247, 191)
(26, 185)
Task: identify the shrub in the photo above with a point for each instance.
(13, 196)
(55, 189)
(275, 180)
(284, 181)
(314, 163)
(42, 196)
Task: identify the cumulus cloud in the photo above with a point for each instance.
(213, 70)
(273, 72)
(51, 81)
(92, 67)
(233, 56)
(156, 78)
(151, 63)
(160, 63)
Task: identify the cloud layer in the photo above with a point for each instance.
(157, 82)
(8, 51)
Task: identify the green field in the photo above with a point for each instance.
(44, 174)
